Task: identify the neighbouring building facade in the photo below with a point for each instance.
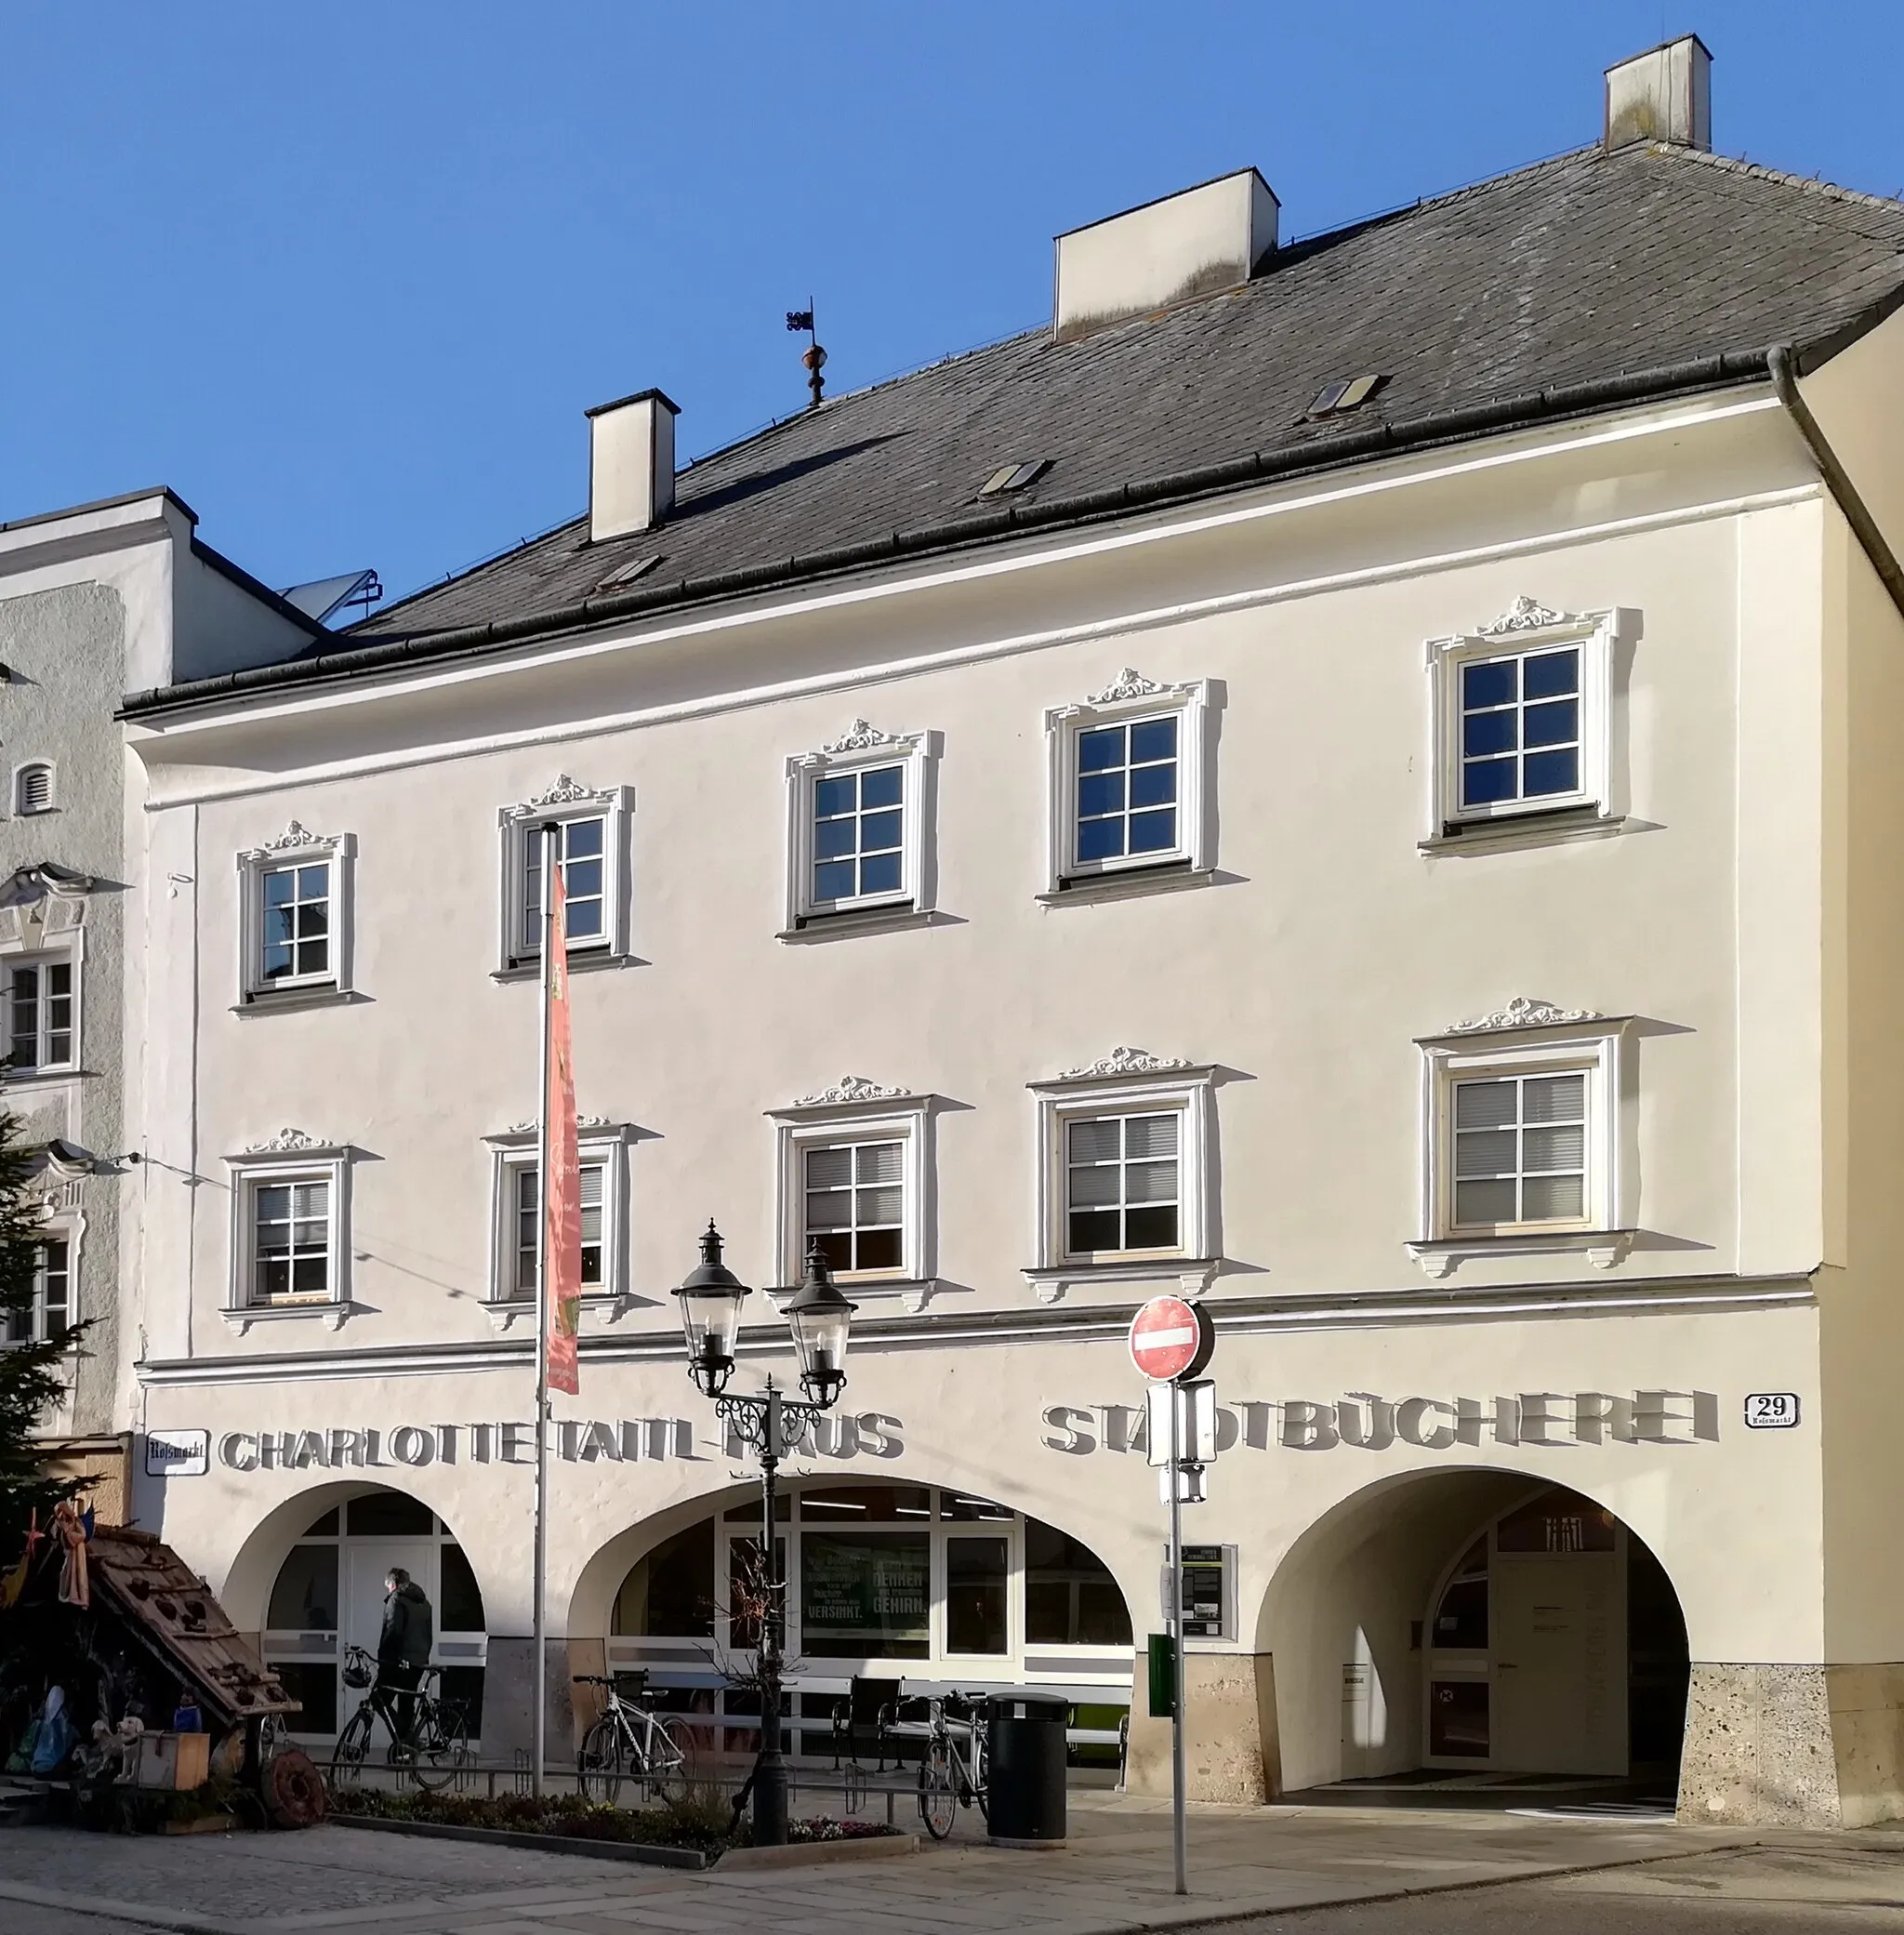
(1351, 779)
(94, 600)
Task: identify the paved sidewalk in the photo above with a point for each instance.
(1113, 1875)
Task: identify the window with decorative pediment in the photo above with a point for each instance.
(42, 913)
(290, 1221)
(1127, 783)
(1524, 725)
(585, 832)
(296, 894)
(859, 829)
(516, 1208)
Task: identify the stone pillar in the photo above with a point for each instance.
(1231, 1752)
(506, 1690)
(1793, 1746)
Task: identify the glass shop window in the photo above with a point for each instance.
(1461, 1620)
(865, 1596)
(670, 1592)
(388, 1515)
(747, 1591)
(1557, 1521)
(1070, 1597)
(460, 1606)
(862, 1504)
(975, 1579)
(305, 1597)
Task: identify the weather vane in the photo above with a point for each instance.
(813, 357)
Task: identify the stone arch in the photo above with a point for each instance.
(1343, 1616)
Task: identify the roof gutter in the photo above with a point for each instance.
(1361, 445)
(1781, 362)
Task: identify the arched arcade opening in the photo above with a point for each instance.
(1472, 1634)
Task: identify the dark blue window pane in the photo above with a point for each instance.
(277, 925)
(1154, 832)
(1552, 674)
(880, 786)
(1099, 792)
(583, 837)
(1485, 781)
(1153, 786)
(313, 919)
(1553, 725)
(1096, 751)
(880, 875)
(1551, 772)
(1155, 739)
(1482, 732)
(833, 882)
(583, 879)
(832, 838)
(585, 922)
(1100, 839)
(876, 831)
(831, 796)
(1488, 684)
(312, 882)
(277, 961)
(277, 888)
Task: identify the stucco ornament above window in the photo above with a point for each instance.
(286, 1142)
(1526, 615)
(1522, 1013)
(295, 838)
(565, 792)
(848, 1089)
(39, 902)
(862, 737)
(1128, 684)
(585, 1125)
(1123, 1061)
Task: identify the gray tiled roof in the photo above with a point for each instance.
(1477, 307)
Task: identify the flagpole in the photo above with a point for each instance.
(550, 837)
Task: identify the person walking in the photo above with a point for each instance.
(402, 1650)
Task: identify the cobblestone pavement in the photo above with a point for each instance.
(1113, 1874)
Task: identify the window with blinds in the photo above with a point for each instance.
(1520, 1150)
(291, 1240)
(39, 1014)
(1122, 1183)
(528, 1219)
(855, 1205)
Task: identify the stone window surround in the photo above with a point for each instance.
(517, 958)
(597, 1140)
(861, 746)
(297, 845)
(289, 1156)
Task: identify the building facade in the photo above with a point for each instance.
(1327, 781)
(94, 600)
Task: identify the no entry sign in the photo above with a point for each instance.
(1172, 1339)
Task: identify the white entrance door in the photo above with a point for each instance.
(366, 1563)
(1559, 1647)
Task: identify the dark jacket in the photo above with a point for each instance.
(408, 1628)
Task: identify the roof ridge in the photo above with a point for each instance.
(1809, 184)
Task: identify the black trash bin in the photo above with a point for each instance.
(1025, 1770)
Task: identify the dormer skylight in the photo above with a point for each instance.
(1013, 477)
(1344, 394)
(626, 573)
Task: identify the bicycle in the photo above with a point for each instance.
(629, 1743)
(438, 1748)
(947, 1776)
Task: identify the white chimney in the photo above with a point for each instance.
(1191, 244)
(1665, 94)
(630, 464)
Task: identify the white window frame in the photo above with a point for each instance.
(296, 846)
(855, 1110)
(860, 748)
(1129, 698)
(291, 1156)
(69, 951)
(1530, 1038)
(1128, 1081)
(596, 1141)
(37, 1328)
(50, 768)
(1526, 629)
(520, 952)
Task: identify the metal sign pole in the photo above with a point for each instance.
(551, 839)
(1176, 1469)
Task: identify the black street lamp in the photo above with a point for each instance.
(773, 1426)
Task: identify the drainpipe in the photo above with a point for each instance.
(1778, 360)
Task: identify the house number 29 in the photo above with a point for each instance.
(1771, 1411)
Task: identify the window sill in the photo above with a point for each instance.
(1524, 830)
(896, 918)
(332, 1311)
(1604, 1249)
(43, 1078)
(1192, 1275)
(610, 1304)
(592, 963)
(274, 1000)
(1128, 883)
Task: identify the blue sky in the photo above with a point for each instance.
(345, 275)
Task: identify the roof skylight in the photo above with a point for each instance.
(1344, 394)
(626, 573)
(1013, 477)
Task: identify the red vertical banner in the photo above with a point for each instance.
(561, 1188)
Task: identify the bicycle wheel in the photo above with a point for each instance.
(353, 1745)
(442, 1747)
(938, 1797)
(599, 1765)
(666, 1765)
